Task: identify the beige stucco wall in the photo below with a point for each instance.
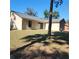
(55, 26)
(35, 25)
(44, 25)
(17, 21)
(24, 24)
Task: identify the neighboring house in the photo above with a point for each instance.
(66, 27)
(21, 21)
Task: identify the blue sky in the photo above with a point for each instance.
(39, 6)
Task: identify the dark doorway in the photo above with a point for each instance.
(41, 25)
(29, 23)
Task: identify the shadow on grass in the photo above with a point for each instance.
(33, 39)
(38, 54)
(61, 35)
(41, 39)
(36, 37)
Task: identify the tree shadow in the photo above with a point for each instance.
(33, 39)
(39, 54)
(40, 38)
(61, 36)
(36, 37)
(59, 42)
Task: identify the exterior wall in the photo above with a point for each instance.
(35, 25)
(24, 24)
(44, 25)
(55, 26)
(17, 21)
(66, 27)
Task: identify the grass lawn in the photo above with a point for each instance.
(56, 48)
(17, 35)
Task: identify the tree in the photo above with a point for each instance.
(46, 13)
(31, 12)
(62, 24)
(55, 14)
(57, 3)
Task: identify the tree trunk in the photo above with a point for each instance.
(50, 18)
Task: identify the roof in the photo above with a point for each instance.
(53, 20)
(43, 20)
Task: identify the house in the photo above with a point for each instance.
(22, 21)
(66, 27)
